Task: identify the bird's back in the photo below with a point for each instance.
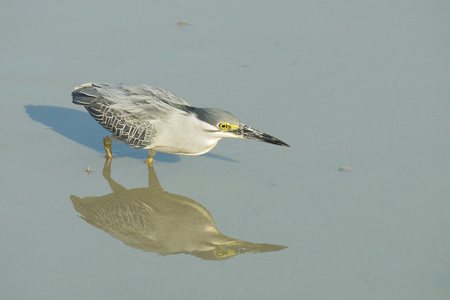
(128, 110)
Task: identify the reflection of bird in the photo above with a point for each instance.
(151, 118)
(154, 220)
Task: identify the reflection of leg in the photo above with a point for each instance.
(153, 181)
(117, 188)
(107, 168)
(107, 144)
(149, 160)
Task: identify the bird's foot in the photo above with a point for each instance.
(107, 144)
(149, 159)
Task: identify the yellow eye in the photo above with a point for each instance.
(223, 126)
(220, 252)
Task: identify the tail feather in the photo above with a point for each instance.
(86, 93)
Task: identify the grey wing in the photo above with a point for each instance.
(133, 98)
(128, 110)
(152, 92)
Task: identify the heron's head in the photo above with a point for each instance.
(228, 126)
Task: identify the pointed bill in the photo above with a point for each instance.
(247, 132)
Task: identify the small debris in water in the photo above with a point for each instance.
(344, 169)
(88, 170)
(183, 23)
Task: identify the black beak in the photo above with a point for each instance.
(247, 132)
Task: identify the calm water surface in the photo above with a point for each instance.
(357, 208)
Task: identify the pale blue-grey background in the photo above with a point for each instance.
(357, 84)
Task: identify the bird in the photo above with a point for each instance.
(147, 117)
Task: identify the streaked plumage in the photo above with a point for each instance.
(152, 118)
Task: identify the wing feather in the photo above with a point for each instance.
(128, 110)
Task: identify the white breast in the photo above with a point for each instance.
(184, 134)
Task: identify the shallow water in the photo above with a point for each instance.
(360, 200)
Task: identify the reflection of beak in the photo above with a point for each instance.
(226, 250)
(247, 132)
(241, 247)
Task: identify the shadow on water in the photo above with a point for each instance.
(82, 128)
(154, 220)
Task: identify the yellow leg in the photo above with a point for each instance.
(149, 159)
(107, 144)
